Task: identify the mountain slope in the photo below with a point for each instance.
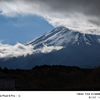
(62, 36)
(79, 49)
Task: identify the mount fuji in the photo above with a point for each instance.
(72, 48)
(62, 36)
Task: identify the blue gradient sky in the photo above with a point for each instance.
(22, 28)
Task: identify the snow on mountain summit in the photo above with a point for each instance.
(62, 36)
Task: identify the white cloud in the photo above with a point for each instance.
(48, 49)
(70, 17)
(8, 51)
(17, 50)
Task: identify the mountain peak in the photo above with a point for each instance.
(62, 36)
(60, 46)
(61, 27)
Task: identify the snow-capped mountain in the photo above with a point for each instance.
(62, 36)
(79, 49)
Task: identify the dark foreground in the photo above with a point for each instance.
(58, 78)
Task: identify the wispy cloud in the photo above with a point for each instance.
(17, 50)
(48, 49)
(8, 51)
(81, 15)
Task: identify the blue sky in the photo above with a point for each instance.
(22, 28)
(23, 20)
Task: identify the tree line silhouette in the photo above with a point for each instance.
(55, 77)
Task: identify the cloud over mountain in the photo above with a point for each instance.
(81, 15)
(8, 51)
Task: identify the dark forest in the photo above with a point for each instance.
(54, 78)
